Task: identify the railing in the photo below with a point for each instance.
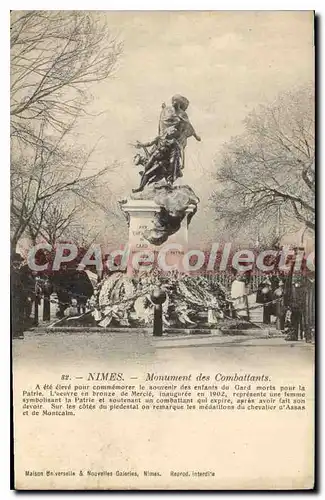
(225, 279)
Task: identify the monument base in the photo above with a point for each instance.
(158, 220)
(143, 255)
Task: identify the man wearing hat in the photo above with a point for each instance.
(297, 306)
(279, 306)
(18, 296)
(264, 296)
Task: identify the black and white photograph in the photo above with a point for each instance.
(162, 238)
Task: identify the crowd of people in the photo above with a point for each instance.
(72, 287)
(289, 301)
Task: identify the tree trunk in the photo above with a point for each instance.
(13, 245)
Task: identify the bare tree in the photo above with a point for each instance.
(55, 57)
(53, 175)
(53, 217)
(65, 217)
(266, 176)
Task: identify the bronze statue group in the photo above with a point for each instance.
(165, 160)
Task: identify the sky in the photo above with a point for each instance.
(225, 63)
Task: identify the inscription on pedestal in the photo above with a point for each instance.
(142, 218)
(138, 235)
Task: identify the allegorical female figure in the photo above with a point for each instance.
(166, 159)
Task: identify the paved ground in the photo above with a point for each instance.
(43, 347)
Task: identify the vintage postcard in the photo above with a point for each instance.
(162, 250)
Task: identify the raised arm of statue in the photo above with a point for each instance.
(190, 131)
(187, 127)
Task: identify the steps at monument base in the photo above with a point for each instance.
(167, 342)
(168, 333)
(117, 330)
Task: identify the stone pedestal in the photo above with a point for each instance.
(141, 215)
